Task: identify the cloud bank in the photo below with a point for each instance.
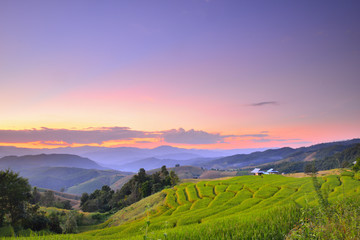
(52, 136)
(114, 135)
(84, 136)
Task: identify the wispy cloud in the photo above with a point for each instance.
(259, 104)
(254, 135)
(262, 140)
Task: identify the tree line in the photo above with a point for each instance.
(20, 204)
(139, 186)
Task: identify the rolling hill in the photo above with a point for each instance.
(154, 163)
(238, 208)
(118, 158)
(47, 160)
(95, 183)
(286, 154)
(56, 171)
(335, 156)
(74, 199)
(74, 180)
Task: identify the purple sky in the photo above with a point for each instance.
(221, 67)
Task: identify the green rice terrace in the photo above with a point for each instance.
(246, 207)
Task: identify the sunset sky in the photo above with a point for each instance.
(217, 74)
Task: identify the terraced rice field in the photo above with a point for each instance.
(247, 207)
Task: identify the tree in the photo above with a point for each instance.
(67, 204)
(35, 219)
(142, 175)
(36, 196)
(356, 166)
(310, 168)
(70, 224)
(15, 193)
(48, 199)
(164, 172)
(174, 179)
(146, 189)
(54, 222)
(84, 198)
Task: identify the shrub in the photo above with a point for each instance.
(7, 231)
(70, 224)
(340, 221)
(347, 173)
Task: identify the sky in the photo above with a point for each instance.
(216, 74)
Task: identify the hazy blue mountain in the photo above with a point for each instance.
(47, 160)
(330, 157)
(74, 180)
(243, 160)
(286, 154)
(14, 151)
(114, 157)
(155, 163)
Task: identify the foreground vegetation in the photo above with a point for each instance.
(20, 212)
(246, 207)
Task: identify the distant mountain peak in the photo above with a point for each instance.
(166, 147)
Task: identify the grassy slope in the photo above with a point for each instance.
(74, 180)
(94, 183)
(238, 208)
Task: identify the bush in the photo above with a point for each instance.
(357, 176)
(25, 233)
(340, 221)
(347, 173)
(7, 231)
(70, 224)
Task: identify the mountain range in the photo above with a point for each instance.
(47, 160)
(284, 156)
(115, 158)
(77, 174)
(73, 174)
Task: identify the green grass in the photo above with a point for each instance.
(170, 199)
(191, 192)
(221, 199)
(181, 195)
(204, 190)
(266, 191)
(245, 207)
(234, 188)
(93, 184)
(220, 188)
